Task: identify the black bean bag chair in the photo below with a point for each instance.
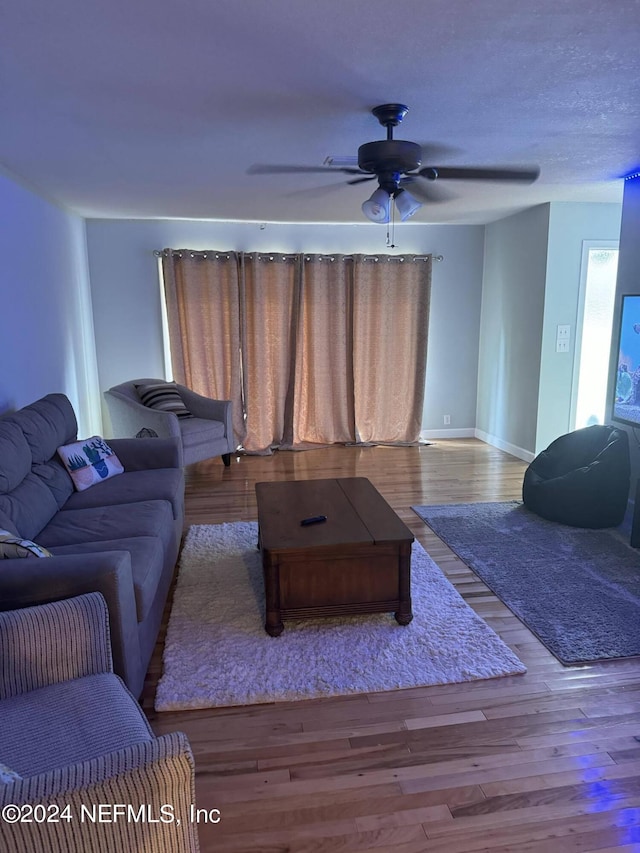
(581, 479)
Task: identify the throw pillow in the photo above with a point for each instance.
(89, 461)
(13, 546)
(163, 396)
(7, 775)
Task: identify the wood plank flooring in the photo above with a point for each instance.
(545, 762)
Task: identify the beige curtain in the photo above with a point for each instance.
(390, 322)
(323, 410)
(269, 299)
(203, 313)
(311, 349)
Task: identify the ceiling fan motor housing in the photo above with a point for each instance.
(389, 155)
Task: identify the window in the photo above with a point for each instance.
(593, 344)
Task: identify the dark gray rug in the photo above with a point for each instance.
(578, 590)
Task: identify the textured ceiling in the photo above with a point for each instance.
(157, 109)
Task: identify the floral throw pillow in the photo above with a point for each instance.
(13, 546)
(89, 462)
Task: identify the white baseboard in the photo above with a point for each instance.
(494, 441)
(513, 449)
(428, 434)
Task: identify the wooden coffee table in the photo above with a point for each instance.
(357, 561)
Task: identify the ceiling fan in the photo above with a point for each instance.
(397, 166)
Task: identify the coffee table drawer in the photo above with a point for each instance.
(361, 579)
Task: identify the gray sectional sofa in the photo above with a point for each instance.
(120, 537)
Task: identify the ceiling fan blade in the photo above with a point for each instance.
(435, 151)
(362, 180)
(474, 173)
(425, 191)
(267, 169)
(314, 192)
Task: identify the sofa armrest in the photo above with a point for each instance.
(153, 780)
(53, 643)
(27, 582)
(204, 407)
(140, 454)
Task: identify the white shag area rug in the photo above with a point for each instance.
(217, 652)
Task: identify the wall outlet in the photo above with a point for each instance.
(562, 345)
(447, 420)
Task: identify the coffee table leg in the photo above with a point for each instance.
(404, 614)
(403, 618)
(273, 624)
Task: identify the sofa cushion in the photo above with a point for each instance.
(56, 477)
(163, 396)
(200, 431)
(147, 561)
(89, 461)
(69, 722)
(46, 424)
(7, 524)
(104, 523)
(30, 506)
(13, 546)
(165, 484)
(15, 456)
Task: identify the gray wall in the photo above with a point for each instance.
(511, 330)
(531, 285)
(47, 327)
(126, 294)
(569, 226)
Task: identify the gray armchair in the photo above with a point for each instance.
(207, 434)
(73, 738)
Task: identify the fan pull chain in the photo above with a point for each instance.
(391, 225)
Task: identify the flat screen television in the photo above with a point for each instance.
(626, 401)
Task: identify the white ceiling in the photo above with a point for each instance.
(156, 108)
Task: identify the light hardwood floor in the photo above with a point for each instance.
(547, 761)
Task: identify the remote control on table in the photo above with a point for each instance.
(314, 519)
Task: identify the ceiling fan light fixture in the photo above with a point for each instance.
(396, 164)
(406, 204)
(377, 207)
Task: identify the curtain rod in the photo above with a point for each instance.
(159, 253)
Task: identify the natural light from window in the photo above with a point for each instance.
(599, 298)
